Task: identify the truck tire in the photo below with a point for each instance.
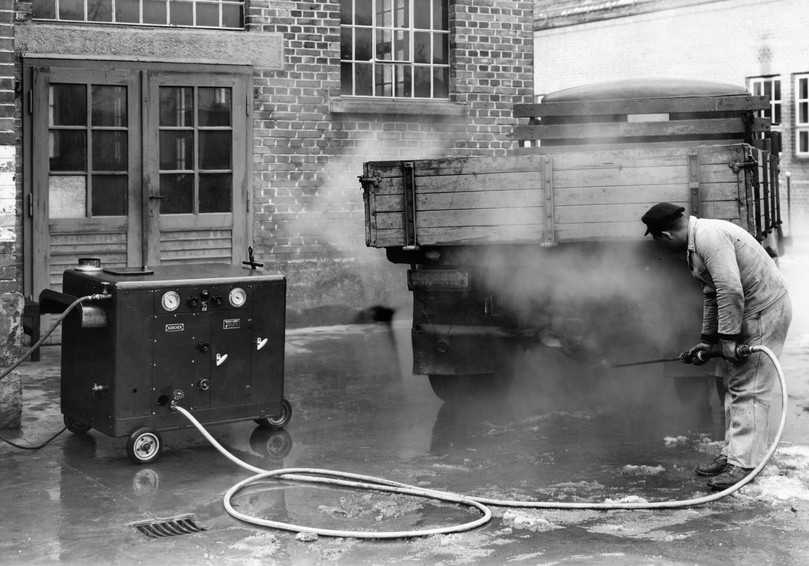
(451, 388)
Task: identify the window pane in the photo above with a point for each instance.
(363, 15)
(421, 14)
(109, 105)
(401, 17)
(803, 145)
(404, 81)
(208, 15)
(99, 10)
(67, 196)
(68, 105)
(768, 89)
(384, 44)
(128, 12)
(44, 9)
(777, 90)
(384, 80)
(71, 9)
(176, 151)
(346, 79)
(804, 88)
(68, 150)
(182, 14)
(176, 106)
(346, 11)
(110, 151)
(362, 84)
(757, 88)
(215, 149)
(440, 48)
(109, 195)
(440, 17)
(803, 112)
(384, 16)
(154, 12)
(402, 46)
(777, 112)
(178, 193)
(233, 15)
(421, 47)
(215, 192)
(363, 50)
(440, 82)
(421, 80)
(214, 106)
(345, 43)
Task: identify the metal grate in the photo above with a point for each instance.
(160, 528)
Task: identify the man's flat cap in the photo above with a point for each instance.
(661, 217)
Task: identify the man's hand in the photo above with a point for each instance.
(729, 349)
(693, 353)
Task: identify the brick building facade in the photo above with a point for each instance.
(758, 44)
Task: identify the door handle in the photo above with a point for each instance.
(156, 197)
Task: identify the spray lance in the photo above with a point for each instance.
(700, 357)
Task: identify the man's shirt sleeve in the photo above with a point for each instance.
(719, 254)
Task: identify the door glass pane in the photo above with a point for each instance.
(109, 195)
(68, 150)
(127, 12)
(44, 9)
(182, 14)
(154, 12)
(110, 151)
(109, 106)
(176, 150)
(99, 10)
(68, 105)
(178, 193)
(71, 10)
(176, 106)
(214, 149)
(208, 15)
(215, 192)
(214, 106)
(232, 16)
(67, 196)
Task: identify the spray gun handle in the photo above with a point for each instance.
(743, 351)
(700, 357)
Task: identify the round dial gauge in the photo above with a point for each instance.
(237, 297)
(170, 300)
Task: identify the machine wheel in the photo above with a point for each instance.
(451, 388)
(279, 421)
(274, 443)
(144, 446)
(76, 426)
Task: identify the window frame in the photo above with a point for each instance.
(774, 103)
(409, 63)
(168, 23)
(800, 127)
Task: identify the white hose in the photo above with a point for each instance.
(345, 479)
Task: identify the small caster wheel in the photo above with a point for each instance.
(273, 443)
(143, 446)
(76, 426)
(279, 421)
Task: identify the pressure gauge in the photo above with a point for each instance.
(237, 297)
(170, 301)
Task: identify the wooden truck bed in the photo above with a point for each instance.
(560, 196)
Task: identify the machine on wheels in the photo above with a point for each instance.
(210, 335)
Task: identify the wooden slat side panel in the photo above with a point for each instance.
(455, 166)
(642, 194)
(607, 213)
(194, 246)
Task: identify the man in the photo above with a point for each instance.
(745, 301)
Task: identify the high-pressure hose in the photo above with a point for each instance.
(345, 479)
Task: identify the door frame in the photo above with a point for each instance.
(35, 220)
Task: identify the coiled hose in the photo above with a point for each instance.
(346, 479)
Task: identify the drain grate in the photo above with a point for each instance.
(160, 528)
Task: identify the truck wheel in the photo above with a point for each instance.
(76, 426)
(279, 421)
(451, 388)
(143, 446)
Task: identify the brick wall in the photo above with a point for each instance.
(307, 201)
(10, 223)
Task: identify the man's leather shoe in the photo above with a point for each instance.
(731, 475)
(717, 466)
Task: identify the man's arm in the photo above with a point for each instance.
(709, 316)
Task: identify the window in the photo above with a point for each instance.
(770, 87)
(802, 115)
(193, 13)
(394, 48)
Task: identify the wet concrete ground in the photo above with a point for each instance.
(562, 432)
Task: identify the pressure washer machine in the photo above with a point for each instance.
(208, 335)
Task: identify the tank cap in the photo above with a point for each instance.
(89, 264)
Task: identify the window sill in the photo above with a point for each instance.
(394, 106)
